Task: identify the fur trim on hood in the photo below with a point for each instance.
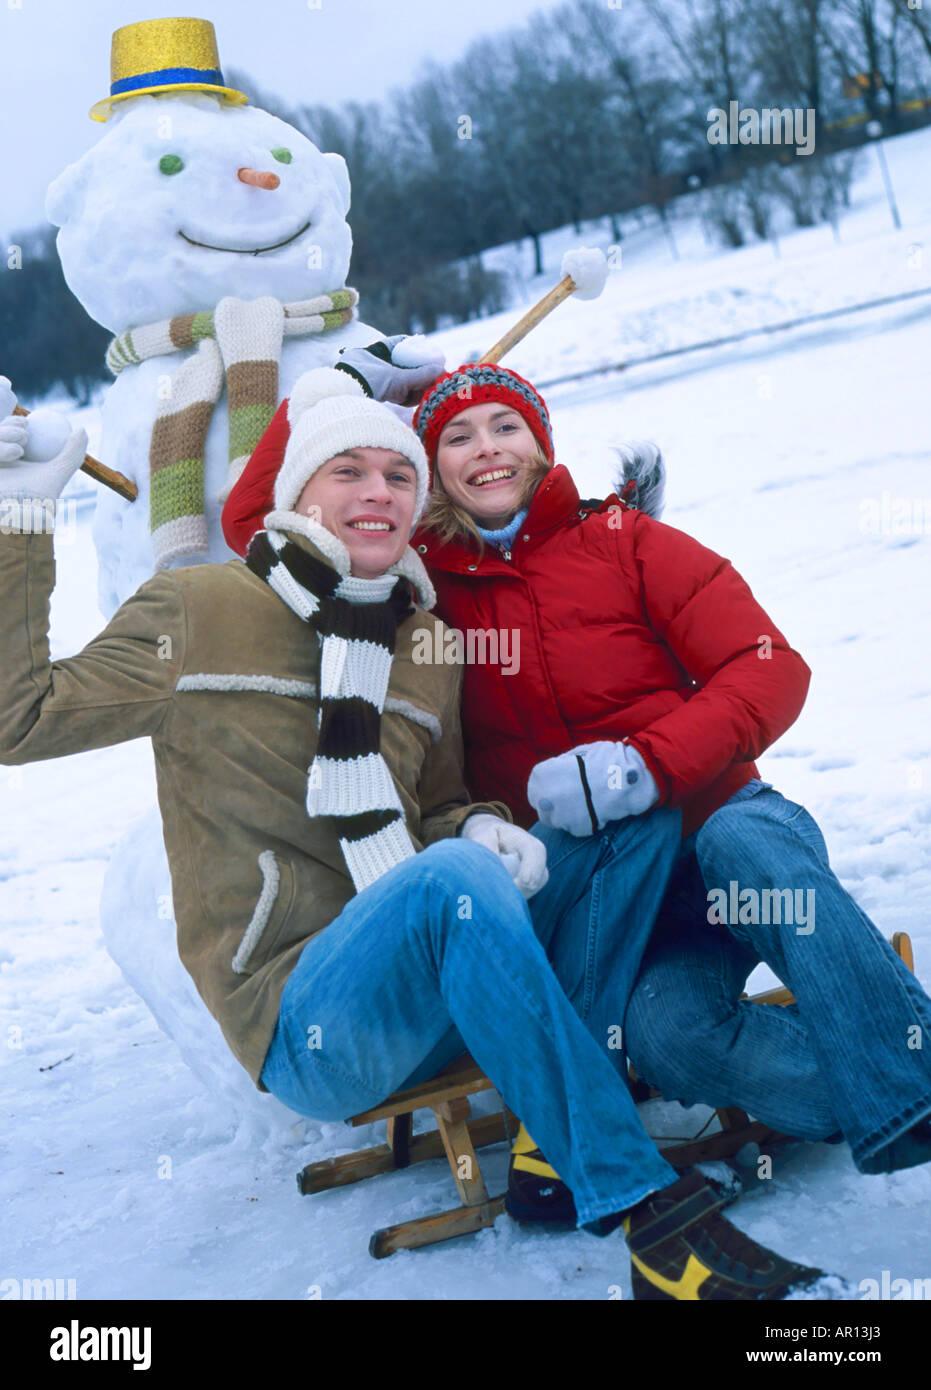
(641, 476)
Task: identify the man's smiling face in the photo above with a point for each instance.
(366, 498)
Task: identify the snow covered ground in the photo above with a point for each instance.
(803, 457)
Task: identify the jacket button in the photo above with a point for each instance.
(526, 538)
(473, 567)
(421, 550)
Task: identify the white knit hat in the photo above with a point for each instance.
(329, 412)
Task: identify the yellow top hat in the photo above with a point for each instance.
(164, 55)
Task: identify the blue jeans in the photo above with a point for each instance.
(854, 1053)
(443, 954)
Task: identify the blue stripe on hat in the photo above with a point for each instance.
(165, 76)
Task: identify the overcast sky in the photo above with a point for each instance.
(56, 63)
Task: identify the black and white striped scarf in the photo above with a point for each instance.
(357, 621)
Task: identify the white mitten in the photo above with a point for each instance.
(580, 791)
(522, 854)
(400, 369)
(35, 485)
(13, 439)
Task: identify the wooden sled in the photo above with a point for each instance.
(458, 1134)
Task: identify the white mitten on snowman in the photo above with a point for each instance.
(580, 791)
(39, 453)
(399, 370)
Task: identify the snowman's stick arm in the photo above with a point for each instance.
(530, 320)
(108, 476)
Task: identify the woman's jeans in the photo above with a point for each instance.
(853, 1055)
(443, 955)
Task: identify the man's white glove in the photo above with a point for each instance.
(13, 439)
(28, 487)
(582, 790)
(522, 854)
(399, 370)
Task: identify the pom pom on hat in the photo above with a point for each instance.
(589, 269)
(320, 384)
(329, 412)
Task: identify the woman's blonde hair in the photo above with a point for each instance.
(447, 520)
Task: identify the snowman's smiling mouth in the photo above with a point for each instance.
(245, 250)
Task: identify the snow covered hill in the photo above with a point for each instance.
(804, 458)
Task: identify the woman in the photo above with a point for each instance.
(696, 680)
(649, 678)
(343, 908)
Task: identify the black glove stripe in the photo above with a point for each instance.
(588, 795)
(381, 350)
(351, 371)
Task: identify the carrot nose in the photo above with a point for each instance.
(258, 178)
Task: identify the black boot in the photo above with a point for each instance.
(536, 1193)
(681, 1249)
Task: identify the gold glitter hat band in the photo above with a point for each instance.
(164, 55)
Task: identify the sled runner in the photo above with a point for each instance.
(458, 1134)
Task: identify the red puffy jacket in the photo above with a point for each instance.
(628, 629)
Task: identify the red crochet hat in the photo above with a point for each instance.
(474, 383)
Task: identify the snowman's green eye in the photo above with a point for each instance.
(171, 164)
(282, 155)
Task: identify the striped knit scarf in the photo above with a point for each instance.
(241, 338)
(357, 621)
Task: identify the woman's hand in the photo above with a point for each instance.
(522, 854)
(580, 791)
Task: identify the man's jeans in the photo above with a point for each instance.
(854, 1054)
(443, 955)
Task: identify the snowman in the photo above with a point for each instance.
(211, 239)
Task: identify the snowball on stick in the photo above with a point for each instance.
(584, 271)
(48, 432)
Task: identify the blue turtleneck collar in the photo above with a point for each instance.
(507, 533)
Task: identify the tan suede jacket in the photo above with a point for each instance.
(215, 668)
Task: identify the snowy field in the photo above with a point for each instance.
(804, 458)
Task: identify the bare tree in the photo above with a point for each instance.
(789, 42)
(709, 39)
(918, 19)
(645, 105)
(867, 37)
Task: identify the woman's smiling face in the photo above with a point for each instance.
(484, 457)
